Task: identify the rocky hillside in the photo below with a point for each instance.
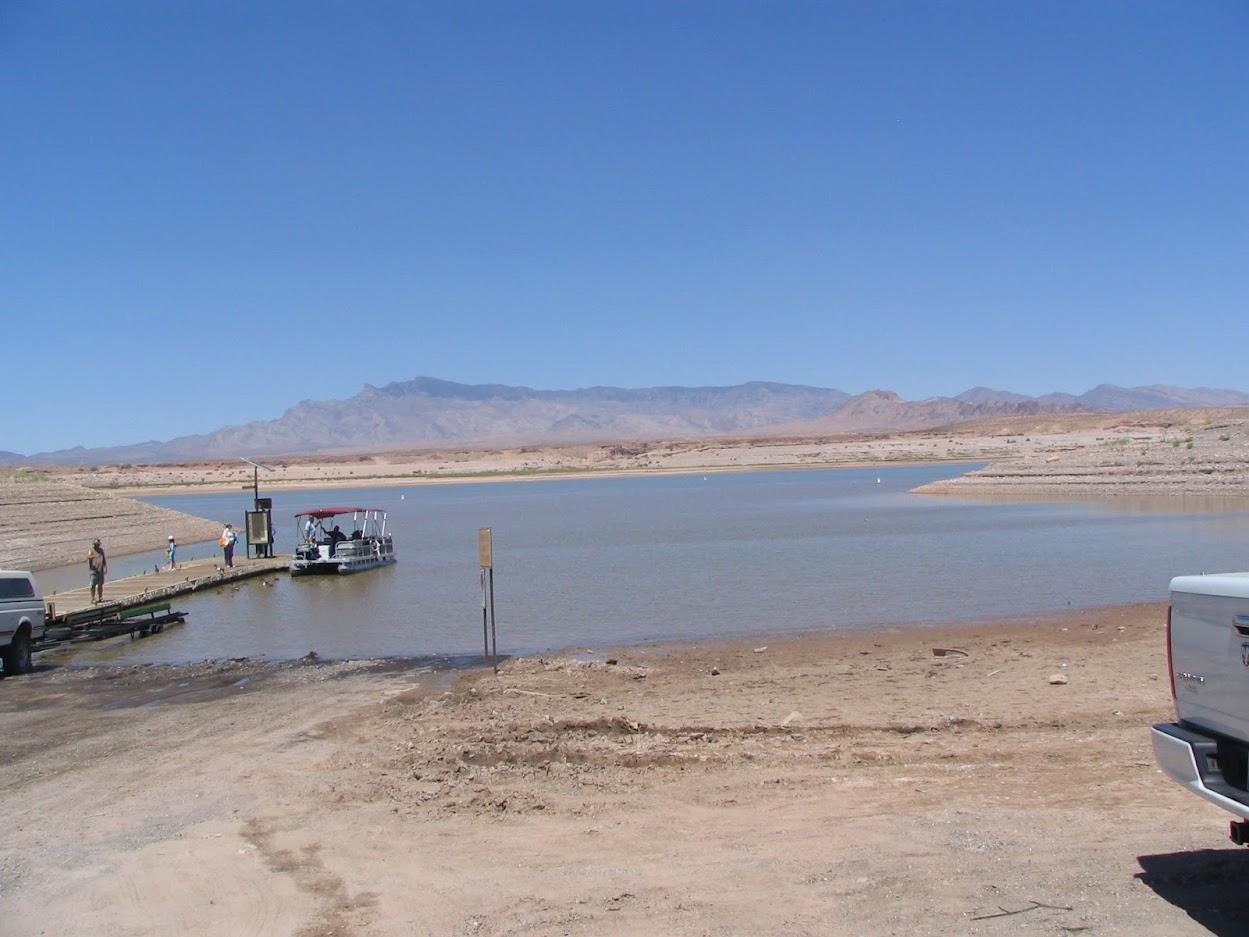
(430, 412)
(885, 411)
(427, 411)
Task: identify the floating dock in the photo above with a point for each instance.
(74, 607)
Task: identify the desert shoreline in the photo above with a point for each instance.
(399, 481)
(910, 781)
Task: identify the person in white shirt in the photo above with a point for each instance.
(228, 539)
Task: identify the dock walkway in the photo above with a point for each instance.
(74, 606)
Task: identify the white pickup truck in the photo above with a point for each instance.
(1207, 750)
(21, 619)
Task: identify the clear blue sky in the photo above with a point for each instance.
(213, 210)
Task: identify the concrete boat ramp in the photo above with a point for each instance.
(140, 604)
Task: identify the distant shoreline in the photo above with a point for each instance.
(397, 481)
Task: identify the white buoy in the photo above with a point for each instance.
(878, 481)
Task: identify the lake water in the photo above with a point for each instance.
(592, 561)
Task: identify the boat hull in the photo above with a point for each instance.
(337, 567)
(351, 556)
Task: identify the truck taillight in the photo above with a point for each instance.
(1170, 664)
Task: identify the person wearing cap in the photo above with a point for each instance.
(97, 563)
(227, 541)
(171, 551)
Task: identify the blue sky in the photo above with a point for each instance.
(214, 210)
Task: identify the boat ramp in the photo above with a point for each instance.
(140, 604)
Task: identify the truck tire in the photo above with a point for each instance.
(17, 655)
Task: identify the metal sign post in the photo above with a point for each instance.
(485, 558)
(259, 505)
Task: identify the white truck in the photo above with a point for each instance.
(21, 620)
(1207, 748)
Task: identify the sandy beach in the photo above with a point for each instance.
(921, 781)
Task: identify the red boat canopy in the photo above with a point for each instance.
(322, 513)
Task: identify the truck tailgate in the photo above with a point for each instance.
(1210, 652)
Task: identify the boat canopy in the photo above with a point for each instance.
(322, 513)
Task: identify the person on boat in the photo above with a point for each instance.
(336, 537)
(310, 531)
(97, 563)
(171, 551)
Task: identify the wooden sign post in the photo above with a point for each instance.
(485, 558)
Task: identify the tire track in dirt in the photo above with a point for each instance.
(339, 914)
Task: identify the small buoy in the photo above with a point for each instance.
(878, 481)
(403, 497)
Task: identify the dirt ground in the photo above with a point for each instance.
(925, 781)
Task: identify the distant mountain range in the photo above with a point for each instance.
(431, 412)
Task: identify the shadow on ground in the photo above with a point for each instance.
(1207, 884)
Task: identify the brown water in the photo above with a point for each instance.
(593, 561)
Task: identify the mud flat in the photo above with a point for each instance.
(923, 781)
(46, 523)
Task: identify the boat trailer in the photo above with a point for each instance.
(89, 625)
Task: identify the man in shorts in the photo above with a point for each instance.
(97, 563)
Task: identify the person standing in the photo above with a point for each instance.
(97, 563)
(171, 551)
(228, 539)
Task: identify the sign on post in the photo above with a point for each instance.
(259, 532)
(485, 548)
(485, 558)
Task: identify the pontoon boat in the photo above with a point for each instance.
(323, 546)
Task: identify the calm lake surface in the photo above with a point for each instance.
(595, 561)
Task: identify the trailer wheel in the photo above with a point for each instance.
(17, 657)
